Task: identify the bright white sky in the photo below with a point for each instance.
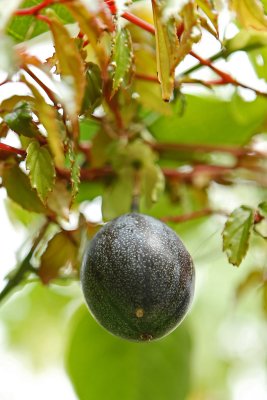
(19, 380)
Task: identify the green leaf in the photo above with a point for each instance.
(23, 28)
(246, 40)
(236, 234)
(166, 47)
(152, 184)
(255, 44)
(70, 62)
(19, 216)
(93, 91)
(42, 171)
(229, 122)
(263, 209)
(20, 120)
(159, 370)
(121, 59)
(117, 197)
(250, 13)
(19, 189)
(149, 93)
(48, 117)
(88, 128)
(258, 58)
(100, 149)
(89, 191)
(61, 252)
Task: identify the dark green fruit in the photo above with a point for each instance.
(137, 278)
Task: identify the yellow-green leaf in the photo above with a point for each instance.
(87, 21)
(246, 40)
(117, 196)
(191, 33)
(61, 252)
(166, 46)
(236, 234)
(250, 13)
(100, 149)
(207, 7)
(19, 189)
(70, 61)
(42, 171)
(152, 184)
(121, 59)
(253, 279)
(74, 170)
(18, 216)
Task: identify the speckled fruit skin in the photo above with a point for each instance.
(137, 278)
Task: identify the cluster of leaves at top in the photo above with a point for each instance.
(103, 118)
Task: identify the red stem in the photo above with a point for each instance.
(87, 174)
(10, 149)
(225, 77)
(149, 78)
(139, 22)
(204, 148)
(131, 17)
(49, 92)
(35, 9)
(112, 6)
(212, 170)
(91, 174)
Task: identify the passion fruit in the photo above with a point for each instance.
(137, 278)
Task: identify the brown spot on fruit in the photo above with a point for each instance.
(146, 337)
(139, 312)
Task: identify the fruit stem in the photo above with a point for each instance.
(135, 205)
